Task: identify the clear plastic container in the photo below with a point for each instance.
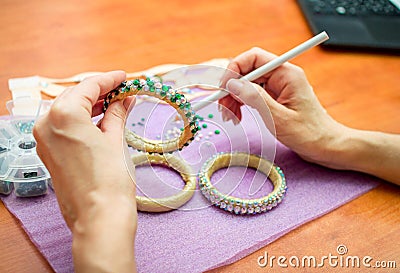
(20, 167)
(27, 172)
(7, 136)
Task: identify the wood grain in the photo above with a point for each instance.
(60, 39)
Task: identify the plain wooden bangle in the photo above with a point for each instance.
(172, 202)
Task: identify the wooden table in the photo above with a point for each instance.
(362, 90)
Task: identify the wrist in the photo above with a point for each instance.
(325, 145)
(103, 237)
(355, 150)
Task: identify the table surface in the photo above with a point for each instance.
(359, 89)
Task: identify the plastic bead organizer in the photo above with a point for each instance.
(21, 169)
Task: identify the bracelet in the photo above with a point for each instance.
(172, 202)
(237, 205)
(154, 88)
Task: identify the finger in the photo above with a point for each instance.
(287, 77)
(249, 60)
(129, 103)
(87, 93)
(228, 115)
(245, 63)
(224, 114)
(224, 103)
(113, 122)
(238, 113)
(228, 101)
(234, 113)
(253, 95)
(115, 117)
(231, 72)
(275, 80)
(97, 109)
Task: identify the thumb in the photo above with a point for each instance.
(113, 122)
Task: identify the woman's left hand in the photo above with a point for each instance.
(92, 174)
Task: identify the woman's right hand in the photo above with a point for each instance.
(301, 123)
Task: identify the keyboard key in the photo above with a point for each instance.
(354, 7)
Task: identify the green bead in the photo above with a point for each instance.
(217, 132)
(165, 87)
(210, 115)
(150, 83)
(178, 96)
(204, 126)
(163, 93)
(188, 114)
(152, 89)
(182, 129)
(136, 82)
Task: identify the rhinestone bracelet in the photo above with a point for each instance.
(238, 205)
(154, 88)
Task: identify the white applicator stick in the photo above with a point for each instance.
(262, 70)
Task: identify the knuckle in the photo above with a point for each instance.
(297, 70)
(256, 50)
(253, 95)
(58, 113)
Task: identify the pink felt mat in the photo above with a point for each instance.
(199, 237)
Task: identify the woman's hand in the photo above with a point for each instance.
(289, 107)
(92, 174)
(301, 123)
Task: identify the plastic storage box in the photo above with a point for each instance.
(21, 169)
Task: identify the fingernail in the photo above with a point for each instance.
(235, 121)
(219, 107)
(234, 85)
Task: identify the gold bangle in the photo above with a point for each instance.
(171, 202)
(237, 205)
(154, 88)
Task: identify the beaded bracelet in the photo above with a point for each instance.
(237, 205)
(154, 88)
(171, 202)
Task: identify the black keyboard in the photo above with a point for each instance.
(354, 7)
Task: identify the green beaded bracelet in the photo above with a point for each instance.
(154, 88)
